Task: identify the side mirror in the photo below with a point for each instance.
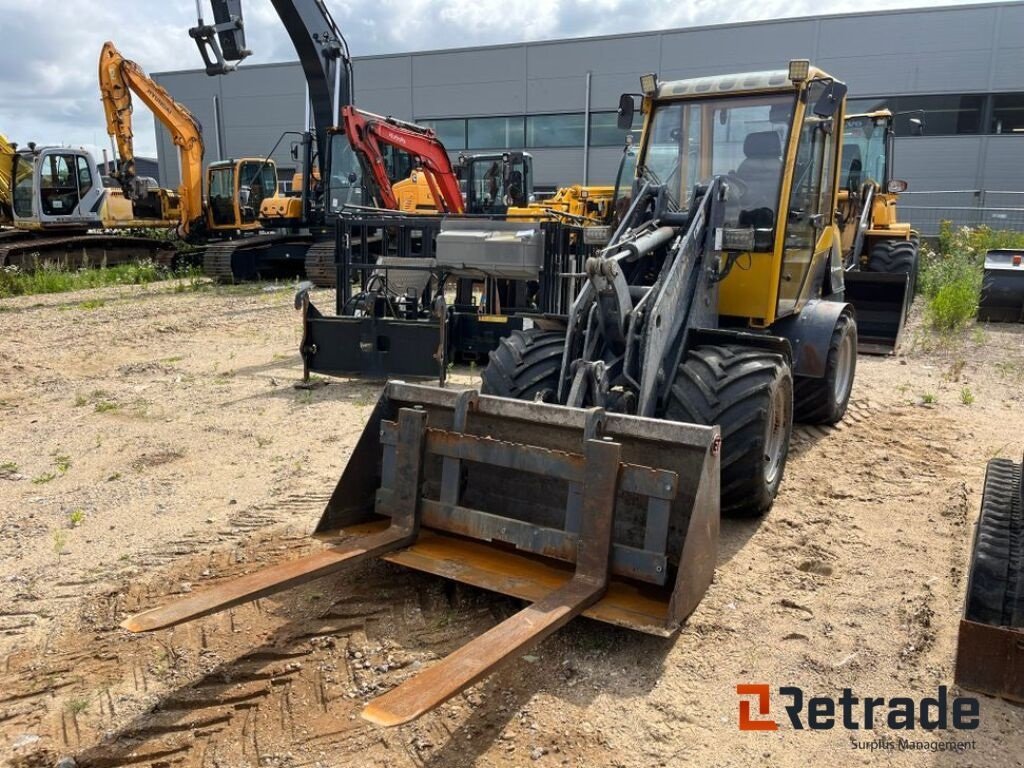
(626, 109)
(916, 126)
(828, 103)
(895, 186)
(352, 177)
(295, 152)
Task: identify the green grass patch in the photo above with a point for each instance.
(950, 276)
(46, 277)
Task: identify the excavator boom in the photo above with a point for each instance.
(119, 78)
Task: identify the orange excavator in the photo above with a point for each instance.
(367, 133)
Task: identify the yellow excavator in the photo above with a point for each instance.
(235, 189)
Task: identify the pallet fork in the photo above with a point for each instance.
(461, 485)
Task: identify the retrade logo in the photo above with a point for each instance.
(822, 713)
(763, 698)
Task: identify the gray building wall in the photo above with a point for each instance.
(953, 50)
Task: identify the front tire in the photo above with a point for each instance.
(749, 394)
(525, 366)
(824, 400)
(896, 257)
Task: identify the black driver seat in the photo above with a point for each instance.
(761, 171)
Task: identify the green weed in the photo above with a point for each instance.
(950, 277)
(44, 478)
(929, 398)
(76, 518)
(966, 396)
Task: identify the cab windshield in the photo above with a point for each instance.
(742, 139)
(864, 157)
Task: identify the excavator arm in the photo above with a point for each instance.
(366, 133)
(119, 78)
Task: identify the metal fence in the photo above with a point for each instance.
(964, 208)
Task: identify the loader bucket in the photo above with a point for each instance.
(1002, 287)
(578, 511)
(882, 302)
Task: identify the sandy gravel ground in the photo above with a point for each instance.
(151, 442)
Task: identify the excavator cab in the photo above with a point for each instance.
(237, 192)
(56, 187)
(496, 182)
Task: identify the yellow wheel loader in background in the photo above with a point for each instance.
(588, 476)
(879, 251)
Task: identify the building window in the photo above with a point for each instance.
(604, 130)
(949, 115)
(496, 132)
(452, 133)
(1008, 113)
(554, 130)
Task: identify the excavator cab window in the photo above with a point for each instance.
(345, 185)
(222, 196)
(493, 184)
(59, 185)
(257, 181)
(23, 173)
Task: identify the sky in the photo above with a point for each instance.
(48, 62)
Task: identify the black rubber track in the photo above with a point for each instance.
(732, 386)
(525, 365)
(995, 589)
(813, 399)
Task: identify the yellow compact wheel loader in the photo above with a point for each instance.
(588, 476)
(880, 252)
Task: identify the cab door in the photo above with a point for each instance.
(808, 237)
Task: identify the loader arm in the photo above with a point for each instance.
(366, 133)
(119, 78)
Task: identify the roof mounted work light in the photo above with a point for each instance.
(799, 70)
(648, 84)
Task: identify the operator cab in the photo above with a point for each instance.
(494, 183)
(237, 189)
(743, 131)
(55, 187)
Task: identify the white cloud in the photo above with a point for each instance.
(48, 83)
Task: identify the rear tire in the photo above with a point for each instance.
(824, 400)
(525, 366)
(749, 394)
(995, 591)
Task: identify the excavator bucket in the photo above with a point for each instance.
(882, 302)
(1002, 287)
(578, 511)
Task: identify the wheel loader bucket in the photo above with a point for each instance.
(1002, 287)
(578, 511)
(882, 302)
